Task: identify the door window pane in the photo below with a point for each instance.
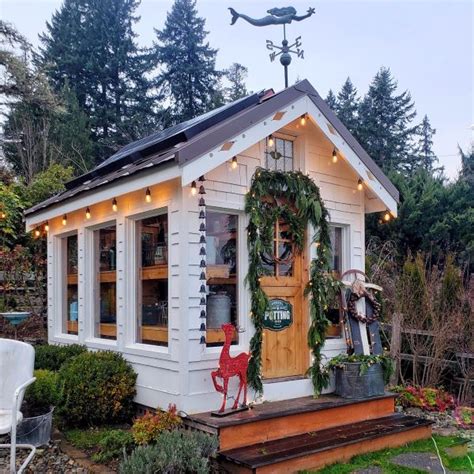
(222, 274)
(70, 316)
(152, 238)
(279, 157)
(105, 289)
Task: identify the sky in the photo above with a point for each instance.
(427, 44)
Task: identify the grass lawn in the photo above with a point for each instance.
(382, 458)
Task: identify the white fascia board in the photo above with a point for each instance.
(245, 139)
(153, 177)
(215, 157)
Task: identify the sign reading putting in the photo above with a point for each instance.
(278, 316)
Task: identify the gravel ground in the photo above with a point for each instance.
(48, 460)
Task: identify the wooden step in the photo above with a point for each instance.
(273, 420)
(314, 450)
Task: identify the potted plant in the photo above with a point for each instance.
(40, 399)
(360, 376)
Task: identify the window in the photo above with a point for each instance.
(335, 235)
(280, 156)
(70, 305)
(222, 274)
(105, 287)
(280, 262)
(152, 298)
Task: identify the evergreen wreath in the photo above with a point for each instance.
(294, 198)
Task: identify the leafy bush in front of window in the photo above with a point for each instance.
(98, 388)
(113, 445)
(52, 357)
(175, 451)
(148, 427)
(43, 394)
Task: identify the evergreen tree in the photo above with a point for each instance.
(467, 166)
(236, 74)
(331, 100)
(90, 44)
(347, 105)
(189, 76)
(385, 129)
(424, 147)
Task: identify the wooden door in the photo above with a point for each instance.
(285, 350)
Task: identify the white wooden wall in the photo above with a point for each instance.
(180, 373)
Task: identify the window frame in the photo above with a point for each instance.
(131, 343)
(281, 136)
(90, 290)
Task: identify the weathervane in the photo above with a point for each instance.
(278, 16)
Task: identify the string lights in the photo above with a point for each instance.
(148, 195)
(193, 188)
(303, 120)
(114, 205)
(37, 233)
(386, 216)
(360, 185)
(46, 227)
(88, 213)
(64, 221)
(233, 163)
(271, 141)
(334, 156)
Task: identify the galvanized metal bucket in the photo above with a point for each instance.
(218, 310)
(350, 384)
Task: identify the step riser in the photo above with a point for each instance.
(340, 454)
(268, 430)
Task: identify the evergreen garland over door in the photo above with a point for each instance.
(295, 199)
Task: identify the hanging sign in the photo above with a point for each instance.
(279, 315)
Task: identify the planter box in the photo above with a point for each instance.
(349, 384)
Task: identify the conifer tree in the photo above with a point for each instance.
(91, 45)
(347, 105)
(188, 76)
(385, 123)
(424, 147)
(331, 100)
(236, 75)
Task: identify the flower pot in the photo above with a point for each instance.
(35, 430)
(350, 384)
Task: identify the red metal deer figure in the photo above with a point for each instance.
(230, 366)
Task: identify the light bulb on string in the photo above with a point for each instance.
(334, 156)
(46, 227)
(114, 205)
(303, 120)
(37, 233)
(386, 216)
(233, 163)
(271, 141)
(193, 188)
(148, 195)
(360, 185)
(88, 213)
(64, 221)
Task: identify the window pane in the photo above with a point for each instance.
(152, 238)
(71, 304)
(221, 251)
(280, 156)
(105, 257)
(336, 246)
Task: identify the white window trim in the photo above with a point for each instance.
(91, 340)
(60, 286)
(243, 296)
(282, 136)
(131, 345)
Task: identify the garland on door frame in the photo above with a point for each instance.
(294, 198)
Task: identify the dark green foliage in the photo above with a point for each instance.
(424, 154)
(189, 77)
(297, 201)
(175, 452)
(90, 46)
(331, 100)
(347, 105)
(236, 75)
(113, 445)
(43, 394)
(98, 388)
(50, 357)
(385, 123)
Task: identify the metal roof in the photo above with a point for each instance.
(189, 140)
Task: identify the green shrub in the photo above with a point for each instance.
(175, 452)
(42, 394)
(53, 357)
(146, 428)
(113, 445)
(98, 388)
